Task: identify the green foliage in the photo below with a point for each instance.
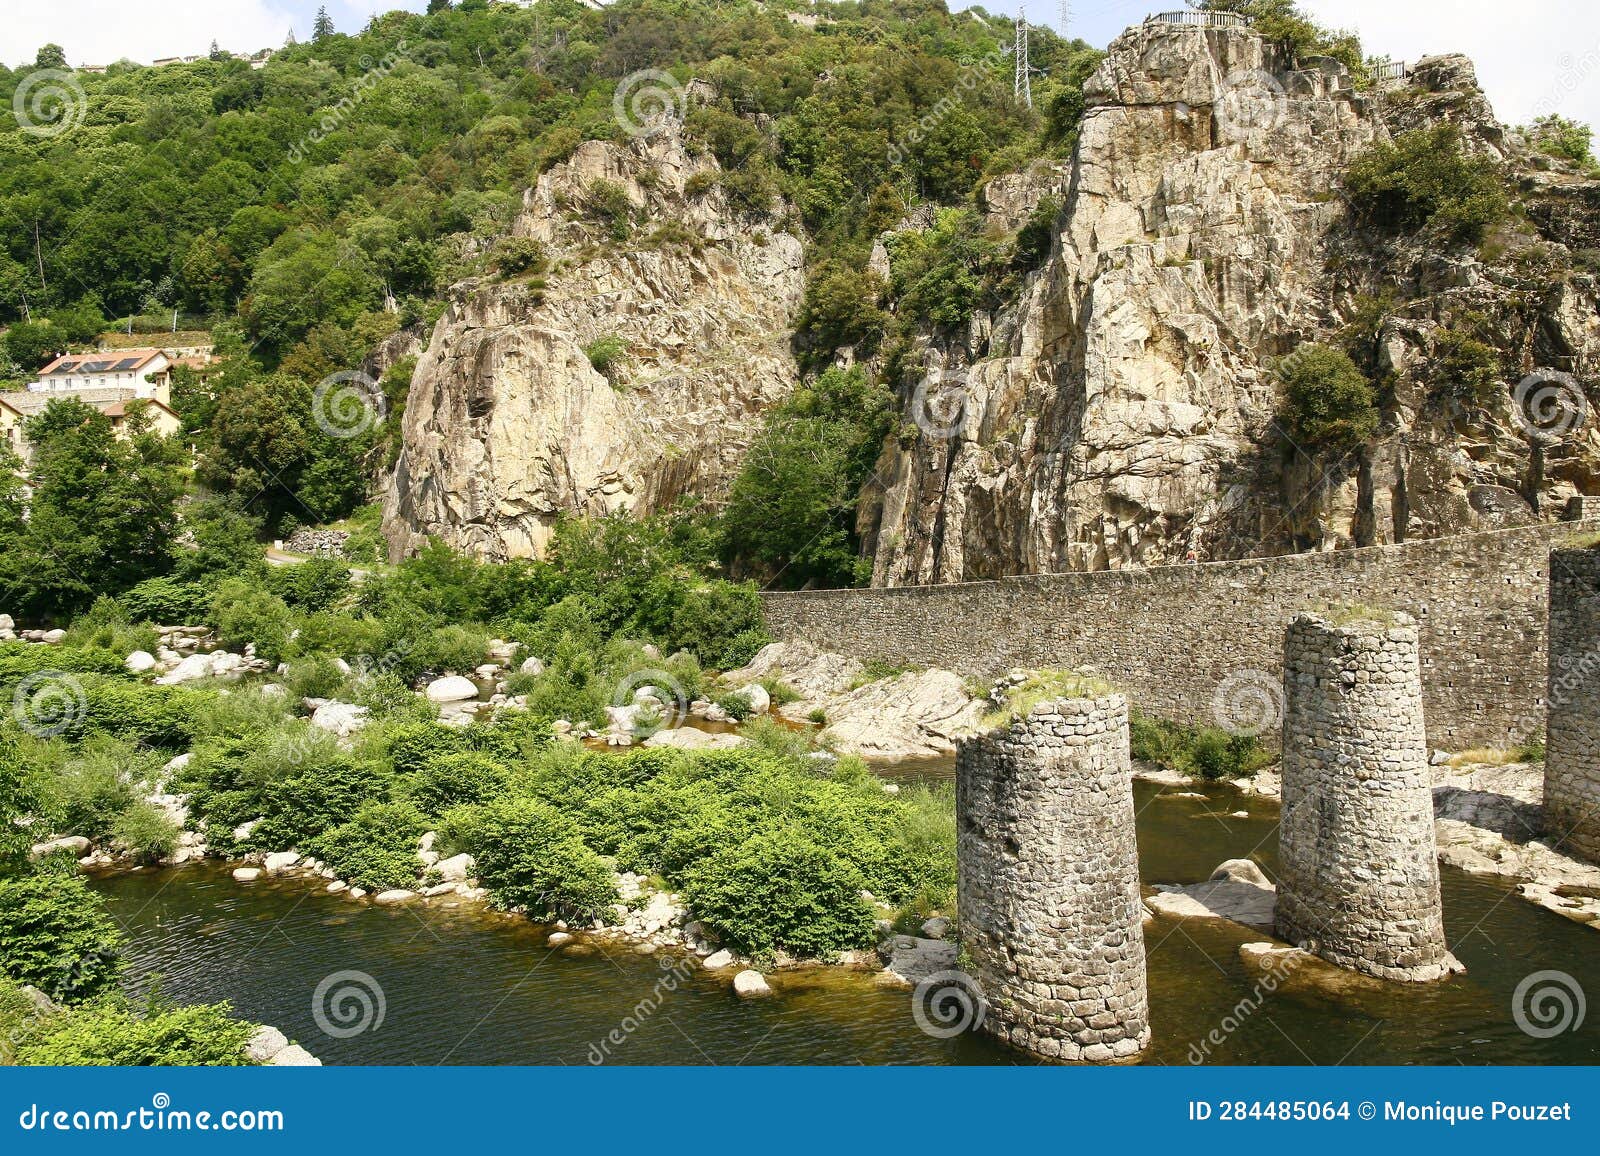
(1283, 22)
(1328, 404)
(1426, 180)
(1559, 136)
(323, 795)
(55, 935)
(1037, 234)
(530, 855)
(840, 309)
(377, 849)
(517, 255)
(791, 512)
(145, 833)
(245, 613)
(455, 779)
(608, 355)
(102, 513)
(937, 274)
(1465, 369)
(781, 890)
(112, 1032)
(315, 584)
(1207, 752)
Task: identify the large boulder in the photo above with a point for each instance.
(913, 716)
(191, 669)
(456, 869)
(340, 718)
(139, 661)
(751, 985)
(451, 688)
(690, 739)
(810, 672)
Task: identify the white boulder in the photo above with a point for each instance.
(451, 688)
(394, 897)
(340, 718)
(139, 661)
(196, 666)
(456, 869)
(280, 861)
(246, 874)
(77, 844)
(532, 666)
(718, 960)
(751, 985)
(756, 694)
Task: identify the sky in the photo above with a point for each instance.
(1533, 56)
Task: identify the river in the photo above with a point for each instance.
(464, 987)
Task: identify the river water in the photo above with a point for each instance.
(464, 987)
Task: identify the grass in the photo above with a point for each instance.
(876, 670)
(1530, 752)
(1045, 686)
(1357, 614)
(1581, 542)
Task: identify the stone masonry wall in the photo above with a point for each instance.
(1172, 637)
(1358, 876)
(1048, 883)
(1572, 748)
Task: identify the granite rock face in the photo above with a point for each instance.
(1120, 411)
(508, 424)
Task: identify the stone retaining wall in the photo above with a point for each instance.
(1358, 876)
(1048, 884)
(1572, 753)
(1190, 642)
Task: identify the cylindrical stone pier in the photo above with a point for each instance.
(1358, 880)
(1049, 881)
(1572, 705)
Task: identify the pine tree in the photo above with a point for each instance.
(322, 27)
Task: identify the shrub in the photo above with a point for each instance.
(1217, 754)
(145, 832)
(457, 648)
(168, 601)
(1037, 234)
(1465, 369)
(516, 255)
(377, 849)
(841, 308)
(1559, 136)
(608, 203)
(315, 584)
(737, 705)
(607, 355)
(111, 1032)
(245, 613)
(1425, 179)
(316, 800)
(318, 676)
(1328, 403)
(529, 855)
(55, 934)
(449, 780)
(160, 716)
(779, 890)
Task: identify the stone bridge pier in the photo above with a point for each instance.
(1359, 875)
(1572, 718)
(1049, 881)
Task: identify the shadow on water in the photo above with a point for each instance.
(461, 986)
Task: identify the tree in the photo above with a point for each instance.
(322, 27)
(1559, 136)
(1328, 402)
(791, 511)
(1426, 180)
(103, 514)
(51, 56)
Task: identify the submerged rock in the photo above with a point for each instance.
(910, 960)
(1238, 890)
(751, 985)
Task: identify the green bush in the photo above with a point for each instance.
(145, 833)
(1217, 754)
(449, 780)
(168, 601)
(607, 355)
(530, 856)
(315, 584)
(516, 255)
(1426, 179)
(1466, 369)
(111, 1032)
(316, 676)
(1328, 404)
(245, 613)
(316, 800)
(55, 934)
(457, 648)
(377, 849)
(779, 890)
(1559, 136)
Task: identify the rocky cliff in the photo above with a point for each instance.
(1121, 411)
(509, 423)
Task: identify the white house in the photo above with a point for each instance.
(147, 373)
